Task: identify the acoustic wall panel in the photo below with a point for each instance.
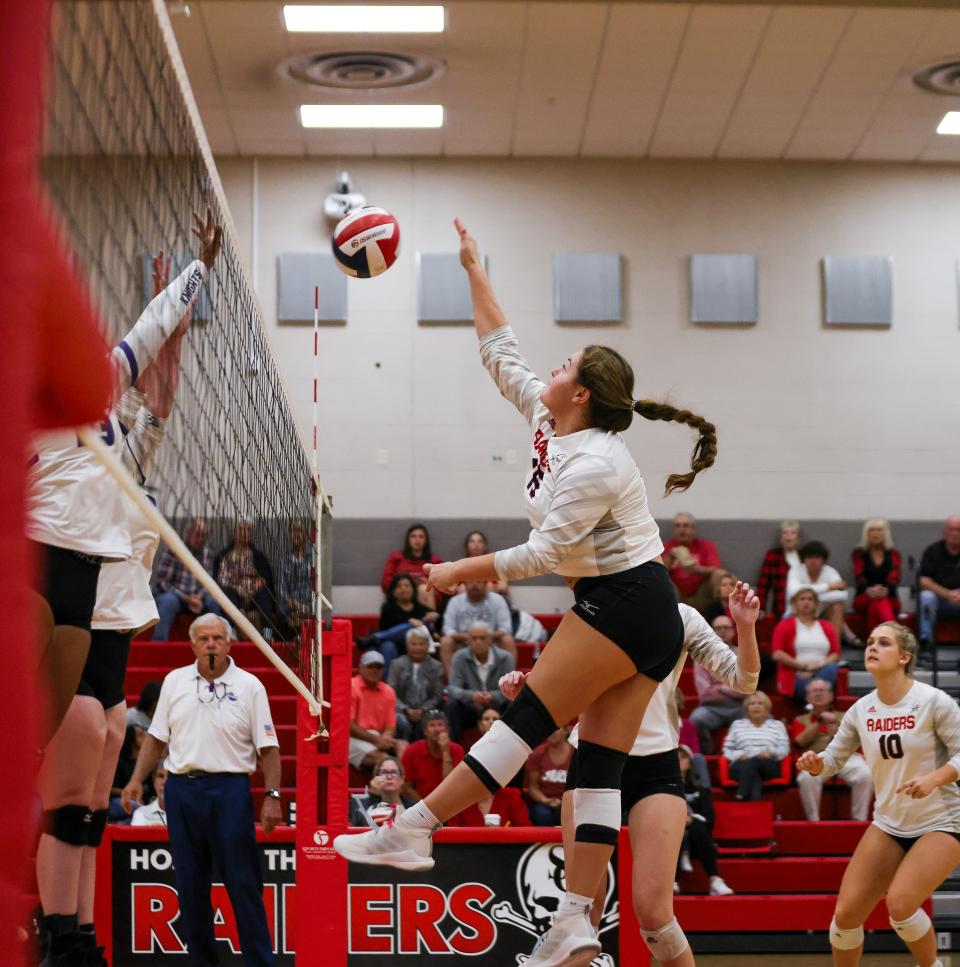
(858, 290)
(723, 289)
(298, 274)
(587, 287)
(443, 292)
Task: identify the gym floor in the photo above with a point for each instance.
(812, 960)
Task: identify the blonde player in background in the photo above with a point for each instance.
(80, 761)
(653, 795)
(910, 736)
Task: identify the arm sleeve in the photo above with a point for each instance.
(947, 726)
(709, 652)
(517, 383)
(587, 487)
(264, 733)
(159, 724)
(781, 748)
(843, 744)
(731, 744)
(138, 349)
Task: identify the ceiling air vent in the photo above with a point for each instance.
(940, 78)
(361, 70)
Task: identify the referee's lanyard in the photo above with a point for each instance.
(211, 693)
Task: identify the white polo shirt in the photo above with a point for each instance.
(216, 727)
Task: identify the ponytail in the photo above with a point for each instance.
(704, 450)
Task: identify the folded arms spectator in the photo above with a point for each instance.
(940, 581)
(755, 746)
(474, 680)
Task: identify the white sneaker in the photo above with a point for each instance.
(570, 942)
(685, 865)
(388, 845)
(719, 888)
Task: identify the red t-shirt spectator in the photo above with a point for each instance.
(396, 563)
(705, 553)
(373, 707)
(424, 772)
(508, 804)
(553, 777)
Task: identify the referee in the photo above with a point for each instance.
(213, 719)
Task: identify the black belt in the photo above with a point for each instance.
(200, 773)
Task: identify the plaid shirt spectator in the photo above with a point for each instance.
(173, 576)
(773, 580)
(294, 581)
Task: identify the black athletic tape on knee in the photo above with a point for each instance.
(481, 773)
(528, 717)
(98, 823)
(604, 835)
(600, 767)
(69, 824)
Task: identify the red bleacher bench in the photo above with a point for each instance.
(744, 828)
(784, 779)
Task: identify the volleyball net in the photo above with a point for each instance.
(126, 163)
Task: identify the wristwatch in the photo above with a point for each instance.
(272, 793)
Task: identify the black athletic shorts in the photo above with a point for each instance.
(68, 582)
(106, 667)
(637, 610)
(643, 776)
(905, 842)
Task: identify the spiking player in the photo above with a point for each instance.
(77, 516)
(910, 735)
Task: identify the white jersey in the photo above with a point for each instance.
(919, 734)
(74, 502)
(584, 495)
(660, 731)
(124, 599)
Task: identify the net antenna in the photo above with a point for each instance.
(125, 162)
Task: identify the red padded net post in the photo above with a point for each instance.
(322, 810)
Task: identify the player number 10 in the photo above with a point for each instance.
(891, 747)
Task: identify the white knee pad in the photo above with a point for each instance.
(913, 928)
(498, 756)
(597, 815)
(666, 943)
(845, 939)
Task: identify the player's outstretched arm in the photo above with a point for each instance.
(745, 609)
(487, 314)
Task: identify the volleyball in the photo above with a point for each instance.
(366, 242)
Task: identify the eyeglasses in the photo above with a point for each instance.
(213, 690)
(389, 773)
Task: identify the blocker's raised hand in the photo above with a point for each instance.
(744, 604)
(210, 235)
(468, 246)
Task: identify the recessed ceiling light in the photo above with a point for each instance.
(357, 19)
(950, 123)
(371, 115)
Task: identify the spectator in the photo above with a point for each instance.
(475, 545)
(814, 572)
(804, 646)
(722, 584)
(126, 763)
(547, 777)
(430, 760)
(688, 731)
(476, 603)
(398, 614)
(474, 680)
(246, 577)
(373, 715)
(690, 560)
(776, 565)
(153, 813)
(176, 590)
(295, 598)
(698, 841)
(417, 680)
(719, 704)
(410, 560)
(940, 582)
(382, 801)
(812, 732)
(876, 574)
(755, 746)
(142, 714)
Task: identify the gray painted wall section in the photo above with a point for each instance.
(360, 545)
